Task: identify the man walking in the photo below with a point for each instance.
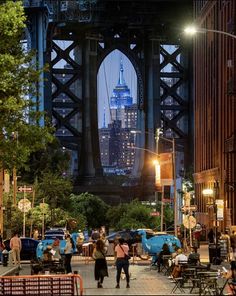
(15, 245)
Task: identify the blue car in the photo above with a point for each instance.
(28, 250)
(50, 236)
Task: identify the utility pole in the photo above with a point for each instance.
(14, 186)
(158, 187)
(1, 201)
(175, 191)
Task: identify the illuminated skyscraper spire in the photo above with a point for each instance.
(121, 81)
(121, 94)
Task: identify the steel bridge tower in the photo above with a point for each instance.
(74, 37)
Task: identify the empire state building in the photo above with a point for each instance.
(117, 139)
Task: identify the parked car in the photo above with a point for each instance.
(29, 246)
(130, 236)
(55, 233)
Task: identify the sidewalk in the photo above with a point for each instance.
(144, 279)
(9, 270)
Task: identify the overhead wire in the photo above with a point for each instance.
(107, 92)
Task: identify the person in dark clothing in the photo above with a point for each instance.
(100, 269)
(194, 257)
(165, 251)
(211, 236)
(68, 253)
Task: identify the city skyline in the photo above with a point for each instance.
(107, 80)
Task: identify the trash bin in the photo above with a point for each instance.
(5, 257)
(214, 252)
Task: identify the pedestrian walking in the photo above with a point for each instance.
(15, 245)
(211, 236)
(233, 244)
(121, 251)
(197, 236)
(68, 253)
(100, 268)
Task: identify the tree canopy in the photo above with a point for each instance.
(20, 131)
(92, 207)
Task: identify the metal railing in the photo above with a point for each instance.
(42, 285)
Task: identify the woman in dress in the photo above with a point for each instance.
(100, 269)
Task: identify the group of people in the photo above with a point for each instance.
(230, 241)
(176, 257)
(52, 252)
(121, 250)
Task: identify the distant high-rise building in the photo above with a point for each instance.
(117, 139)
(120, 99)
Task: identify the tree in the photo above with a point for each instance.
(92, 207)
(55, 190)
(131, 216)
(20, 131)
(51, 159)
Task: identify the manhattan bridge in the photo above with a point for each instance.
(73, 38)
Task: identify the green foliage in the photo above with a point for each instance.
(55, 189)
(92, 207)
(35, 216)
(133, 215)
(188, 180)
(51, 159)
(18, 79)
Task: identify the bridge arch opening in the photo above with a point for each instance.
(117, 113)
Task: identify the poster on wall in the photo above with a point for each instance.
(220, 209)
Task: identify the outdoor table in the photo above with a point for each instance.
(209, 283)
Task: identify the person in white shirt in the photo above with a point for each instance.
(180, 258)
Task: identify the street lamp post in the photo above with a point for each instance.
(191, 30)
(172, 141)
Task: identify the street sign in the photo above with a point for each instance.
(24, 189)
(189, 222)
(24, 205)
(192, 208)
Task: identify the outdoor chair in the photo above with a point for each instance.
(166, 266)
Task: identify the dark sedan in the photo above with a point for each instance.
(29, 246)
(130, 236)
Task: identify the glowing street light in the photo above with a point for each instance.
(192, 30)
(208, 192)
